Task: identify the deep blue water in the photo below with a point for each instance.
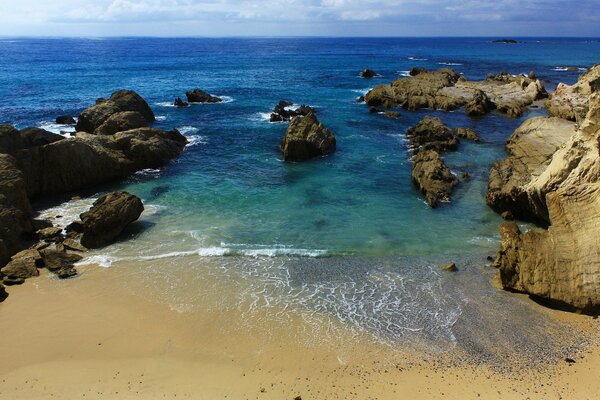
(231, 193)
(231, 189)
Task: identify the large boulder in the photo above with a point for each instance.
(445, 89)
(572, 102)
(13, 140)
(121, 121)
(560, 265)
(108, 217)
(65, 120)
(306, 138)
(200, 96)
(431, 134)
(368, 73)
(23, 265)
(15, 209)
(89, 160)
(122, 100)
(433, 178)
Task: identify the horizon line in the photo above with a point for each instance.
(499, 37)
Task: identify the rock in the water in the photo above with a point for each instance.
(122, 100)
(71, 244)
(180, 103)
(392, 114)
(431, 134)
(433, 178)
(65, 120)
(66, 273)
(51, 234)
(509, 41)
(120, 122)
(368, 73)
(108, 217)
(306, 138)
(13, 140)
(561, 264)
(414, 71)
(200, 96)
(283, 111)
(447, 90)
(467, 133)
(21, 268)
(572, 102)
(451, 267)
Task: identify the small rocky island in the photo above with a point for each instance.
(200, 96)
(307, 138)
(113, 140)
(445, 89)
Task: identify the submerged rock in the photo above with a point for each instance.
(433, 178)
(306, 138)
(283, 111)
(200, 96)
(431, 134)
(108, 217)
(451, 267)
(509, 41)
(120, 101)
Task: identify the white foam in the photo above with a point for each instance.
(404, 73)
(161, 117)
(449, 63)
(68, 211)
(565, 69)
(195, 140)
(165, 104)
(362, 91)
(60, 129)
(104, 261)
(417, 59)
(224, 100)
(185, 130)
(148, 172)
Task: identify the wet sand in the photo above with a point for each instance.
(92, 337)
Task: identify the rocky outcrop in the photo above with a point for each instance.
(284, 111)
(3, 293)
(368, 73)
(108, 217)
(13, 140)
(88, 160)
(433, 178)
(307, 138)
(121, 121)
(200, 96)
(561, 264)
(180, 103)
(572, 102)
(120, 101)
(530, 150)
(467, 133)
(65, 120)
(431, 134)
(445, 89)
(22, 266)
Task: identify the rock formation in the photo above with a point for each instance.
(445, 89)
(283, 111)
(431, 134)
(433, 178)
(306, 138)
(180, 103)
(368, 73)
(122, 100)
(467, 133)
(121, 121)
(65, 120)
(200, 96)
(572, 102)
(556, 180)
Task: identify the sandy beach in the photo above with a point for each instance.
(91, 337)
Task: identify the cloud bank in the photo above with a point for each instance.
(294, 17)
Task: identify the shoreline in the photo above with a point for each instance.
(108, 342)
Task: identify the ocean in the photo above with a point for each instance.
(345, 236)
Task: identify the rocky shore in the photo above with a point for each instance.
(552, 177)
(112, 141)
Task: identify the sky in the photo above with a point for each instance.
(507, 18)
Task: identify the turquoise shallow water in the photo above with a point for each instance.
(231, 197)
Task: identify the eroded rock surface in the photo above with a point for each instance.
(572, 102)
(200, 96)
(433, 178)
(431, 134)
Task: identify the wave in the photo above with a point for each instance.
(186, 130)
(161, 117)
(449, 63)
(165, 104)
(417, 59)
(103, 261)
(404, 73)
(195, 140)
(60, 129)
(565, 69)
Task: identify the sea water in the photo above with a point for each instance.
(347, 235)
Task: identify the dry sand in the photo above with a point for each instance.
(91, 337)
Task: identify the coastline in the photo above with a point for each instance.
(108, 342)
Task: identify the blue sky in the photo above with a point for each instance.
(299, 18)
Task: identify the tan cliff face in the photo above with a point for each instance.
(572, 102)
(561, 264)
